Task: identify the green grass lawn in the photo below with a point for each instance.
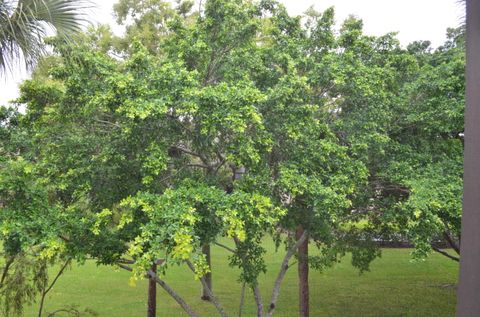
(395, 286)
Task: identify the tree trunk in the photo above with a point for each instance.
(303, 289)
(167, 288)
(152, 295)
(242, 300)
(212, 297)
(208, 276)
(281, 274)
(45, 291)
(258, 300)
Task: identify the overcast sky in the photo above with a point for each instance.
(412, 19)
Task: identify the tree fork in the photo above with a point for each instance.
(152, 275)
(281, 274)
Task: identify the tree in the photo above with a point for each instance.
(311, 172)
(162, 132)
(230, 92)
(144, 126)
(430, 139)
(148, 21)
(410, 125)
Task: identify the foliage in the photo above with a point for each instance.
(234, 122)
(410, 131)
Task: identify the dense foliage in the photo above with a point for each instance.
(236, 121)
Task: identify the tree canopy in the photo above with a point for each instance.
(231, 122)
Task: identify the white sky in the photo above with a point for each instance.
(412, 19)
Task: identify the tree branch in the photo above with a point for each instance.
(126, 261)
(5, 270)
(283, 271)
(199, 165)
(446, 254)
(167, 288)
(105, 122)
(45, 292)
(225, 247)
(451, 242)
(214, 300)
(186, 151)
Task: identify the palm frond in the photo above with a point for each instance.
(23, 27)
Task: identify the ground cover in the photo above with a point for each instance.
(395, 286)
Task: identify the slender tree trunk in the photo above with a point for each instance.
(242, 300)
(212, 297)
(152, 294)
(303, 288)
(45, 291)
(281, 274)
(258, 301)
(167, 288)
(208, 276)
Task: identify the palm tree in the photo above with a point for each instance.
(25, 23)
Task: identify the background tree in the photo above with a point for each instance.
(148, 21)
(405, 109)
(312, 173)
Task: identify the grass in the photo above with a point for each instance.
(395, 286)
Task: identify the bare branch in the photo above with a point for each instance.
(199, 165)
(125, 267)
(186, 151)
(45, 292)
(167, 288)
(126, 261)
(451, 242)
(446, 254)
(214, 300)
(60, 272)
(105, 122)
(225, 247)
